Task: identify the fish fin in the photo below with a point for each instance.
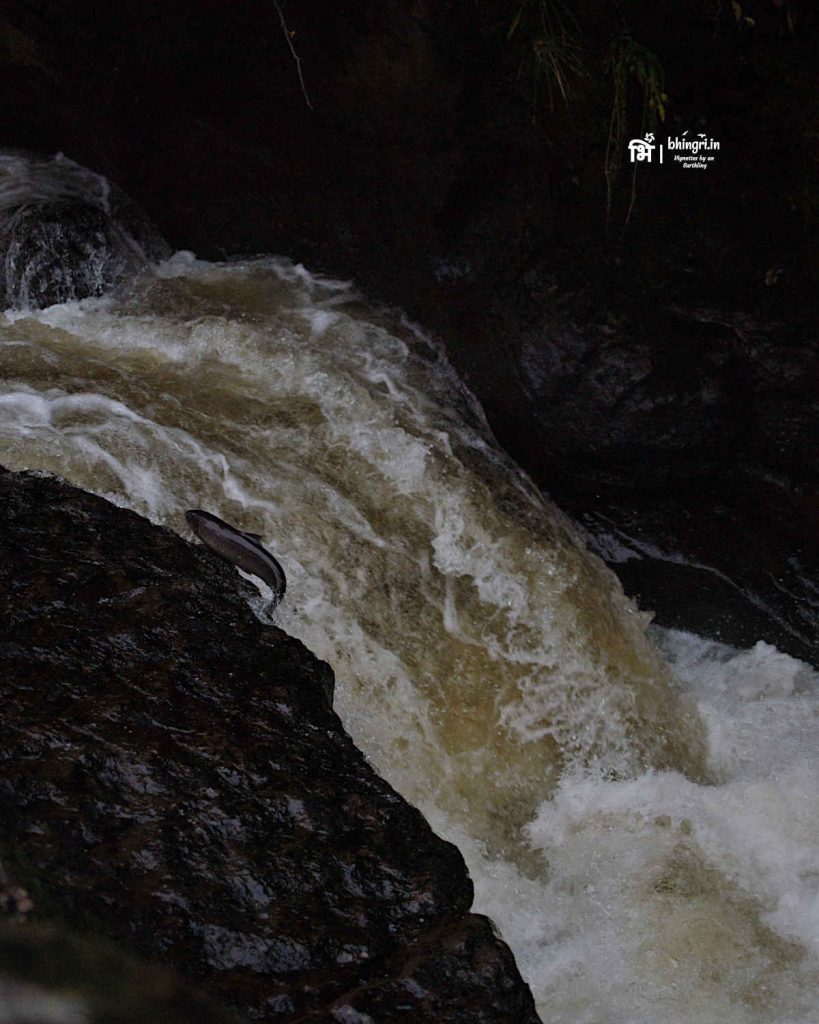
(253, 536)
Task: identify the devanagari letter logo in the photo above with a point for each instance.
(641, 149)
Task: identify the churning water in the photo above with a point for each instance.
(646, 839)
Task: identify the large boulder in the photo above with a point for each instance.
(173, 776)
(66, 233)
(56, 252)
(683, 441)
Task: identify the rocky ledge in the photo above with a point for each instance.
(174, 780)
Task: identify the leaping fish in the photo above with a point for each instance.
(239, 548)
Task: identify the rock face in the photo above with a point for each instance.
(687, 435)
(56, 252)
(66, 233)
(173, 776)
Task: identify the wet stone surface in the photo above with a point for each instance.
(67, 249)
(710, 569)
(173, 776)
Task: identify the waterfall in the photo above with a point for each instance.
(638, 807)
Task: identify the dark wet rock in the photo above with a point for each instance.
(173, 777)
(421, 982)
(55, 252)
(710, 567)
(66, 250)
(689, 459)
(66, 233)
(601, 399)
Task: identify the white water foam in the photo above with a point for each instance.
(668, 901)
(29, 179)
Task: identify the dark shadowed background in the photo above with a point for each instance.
(645, 346)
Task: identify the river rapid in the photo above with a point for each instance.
(639, 808)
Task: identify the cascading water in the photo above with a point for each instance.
(650, 854)
(66, 232)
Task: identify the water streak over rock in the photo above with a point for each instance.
(66, 233)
